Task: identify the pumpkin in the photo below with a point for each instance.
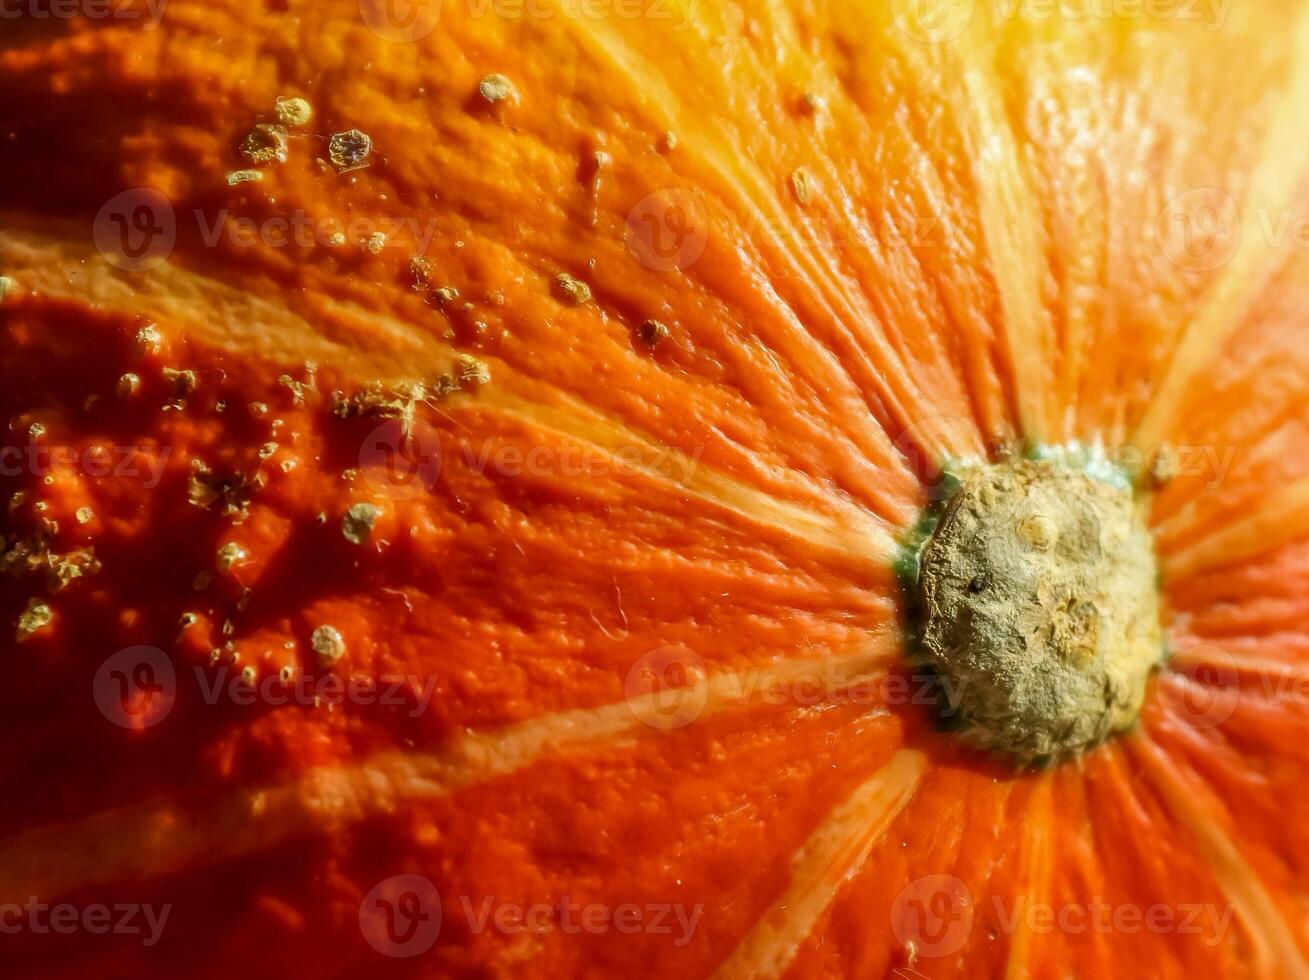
(682, 489)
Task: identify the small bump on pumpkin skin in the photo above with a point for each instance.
(244, 177)
(357, 524)
(266, 143)
(148, 340)
(349, 150)
(293, 112)
(495, 88)
(327, 642)
(800, 186)
(573, 291)
(230, 555)
(36, 617)
(1036, 602)
(651, 332)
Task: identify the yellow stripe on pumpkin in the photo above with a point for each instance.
(158, 839)
(828, 858)
(1276, 950)
(1283, 165)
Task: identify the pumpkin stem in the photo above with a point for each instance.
(1034, 596)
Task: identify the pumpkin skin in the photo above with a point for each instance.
(993, 231)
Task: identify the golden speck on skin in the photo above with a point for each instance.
(37, 616)
(258, 409)
(668, 142)
(445, 294)
(800, 185)
(357, 524)
(469, 370)
(267, 450)
(495, 88)
(187, 620)
(327, 642)
(182, 382)
(248, 675)
(36, 430)
(266, 143)
(651, 332)
(293, 111)
(128, 385)
(149, 340)
(230, 554)
(84, 515)
(574, 291)
(421, 269)
(349, 150)
(337, 239)
(63, 569)
(286, 674)
(244, 177)
(375, 242)
(296, 388)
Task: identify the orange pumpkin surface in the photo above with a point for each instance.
(452, 520)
